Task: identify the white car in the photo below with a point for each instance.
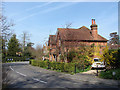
(98, 64)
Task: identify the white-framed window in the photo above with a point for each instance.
(59, 43)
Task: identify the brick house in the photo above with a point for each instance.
(72, 38)
(45, 51)
(52, 47)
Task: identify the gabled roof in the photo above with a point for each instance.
(82, 33)
(52, 39)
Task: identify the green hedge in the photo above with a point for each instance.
(15, 59)
(59, 66)
(108, 74)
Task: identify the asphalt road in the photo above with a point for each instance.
(23, 75)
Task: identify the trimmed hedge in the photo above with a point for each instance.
(59, 66)
(15, 59)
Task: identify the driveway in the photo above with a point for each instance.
(23, 75)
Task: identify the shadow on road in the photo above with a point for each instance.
(15, 63)
(54, 80)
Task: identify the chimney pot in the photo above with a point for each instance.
(92, 21)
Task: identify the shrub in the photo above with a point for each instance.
(108, 74)
(14, 59)
(71, 55)
(53, 65)
(111, 57)
(59, 66)
(41, 64)
(69, 67)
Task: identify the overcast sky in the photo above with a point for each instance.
(41, 19)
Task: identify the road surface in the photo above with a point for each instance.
(23, 75)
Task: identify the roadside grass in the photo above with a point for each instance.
(109, 74)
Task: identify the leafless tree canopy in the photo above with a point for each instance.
(37, 52)
(5, 30)
(5, 24)
(5, 27)
(67, 25)
(114, 38)
(25, 39)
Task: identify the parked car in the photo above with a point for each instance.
(98, 64)
(27, 58)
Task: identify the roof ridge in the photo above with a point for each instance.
(102, 37)
(51, 35)
(73, 28)
(84, 27)
(67, 29)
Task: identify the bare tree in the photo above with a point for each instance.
(67, 25)
(6, 30)
(114, 38)
(6, 27)
(25, 39)
(5, 24)
(37, 52)
(5, 33)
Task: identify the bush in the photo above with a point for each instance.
(108, 74)
(69, 67)
(71, 55)
(111, 57)
(59, 66)
(42, 64)
(14, 59)
(114, 62)
(53, 65)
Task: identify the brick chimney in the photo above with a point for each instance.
(94, 29)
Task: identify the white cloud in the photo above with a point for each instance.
(39, 6)
(46, 11)
(29, 9)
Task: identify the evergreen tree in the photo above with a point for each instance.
(13, 46)
(27, 50)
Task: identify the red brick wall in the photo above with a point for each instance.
(75, 44)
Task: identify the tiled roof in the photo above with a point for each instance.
(52, 39)
(82, 33)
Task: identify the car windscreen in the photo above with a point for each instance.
(96, 60)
